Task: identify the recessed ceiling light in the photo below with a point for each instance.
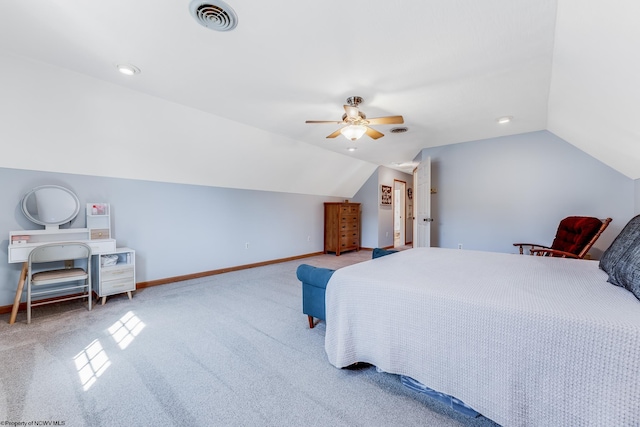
(505, 119)
(351, 149)
(128, 69)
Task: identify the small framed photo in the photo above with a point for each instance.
(385, 195)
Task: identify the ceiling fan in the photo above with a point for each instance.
(356, 122)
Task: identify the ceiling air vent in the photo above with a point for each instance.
(399, 130)
(216, 14)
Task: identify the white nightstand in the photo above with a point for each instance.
(114, 273)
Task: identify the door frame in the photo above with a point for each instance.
(422, 204)
(401, 219)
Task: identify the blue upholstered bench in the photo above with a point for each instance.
(314, 284)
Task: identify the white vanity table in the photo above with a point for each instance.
(19, 252)
(52, 206)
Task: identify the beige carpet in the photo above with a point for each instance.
(227, 350)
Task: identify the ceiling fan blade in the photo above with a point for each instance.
(323, 121)
(373, 133)
(336, 133)
(352, 112)
(389, 120)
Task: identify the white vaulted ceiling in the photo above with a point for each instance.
(451, 68)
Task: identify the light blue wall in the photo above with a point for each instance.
(490, 193)
(494, 192)
(377, 220)
(176, 229)
(367, 196)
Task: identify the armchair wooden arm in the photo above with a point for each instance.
(553, 252)
(533, 246)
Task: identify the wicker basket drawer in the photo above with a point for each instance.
(99, 233)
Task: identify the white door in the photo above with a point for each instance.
(422, 204)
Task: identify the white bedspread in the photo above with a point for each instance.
(523, 340)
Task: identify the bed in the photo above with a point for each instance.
(524, 340)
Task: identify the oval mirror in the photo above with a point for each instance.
(50, 205)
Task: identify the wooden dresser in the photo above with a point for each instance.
(341, 227)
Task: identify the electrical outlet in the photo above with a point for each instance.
(246, 245)
(308, 238)
(459, 245)
(387, 234)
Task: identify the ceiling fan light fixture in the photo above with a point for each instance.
(353, 132)
(356, 123)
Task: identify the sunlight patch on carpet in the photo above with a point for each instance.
(91, 363)
(125, 330)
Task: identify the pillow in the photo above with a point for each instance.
(614, 253)
(626, 271)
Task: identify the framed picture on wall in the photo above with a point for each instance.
(385, 195)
